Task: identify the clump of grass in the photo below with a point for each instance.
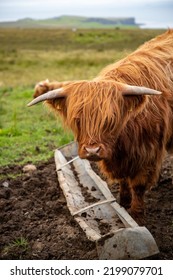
(20, 242)
(16, 248)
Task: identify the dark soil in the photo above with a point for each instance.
(35, 222)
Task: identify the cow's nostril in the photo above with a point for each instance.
(92, 150)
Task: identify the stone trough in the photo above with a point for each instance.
(96, 210)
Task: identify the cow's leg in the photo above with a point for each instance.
(142, 182)
(137, 209)
(125, 194)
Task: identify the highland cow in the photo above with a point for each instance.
(123, 118)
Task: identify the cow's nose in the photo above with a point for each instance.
(92, 151)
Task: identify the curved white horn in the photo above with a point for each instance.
(56, 93)
(137, 90)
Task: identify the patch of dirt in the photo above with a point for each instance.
(35, 222)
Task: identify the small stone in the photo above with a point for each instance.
(29, 168)
(5, 184)
(38, 246)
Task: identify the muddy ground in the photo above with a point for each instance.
(35, 222)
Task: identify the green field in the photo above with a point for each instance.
(30, 55)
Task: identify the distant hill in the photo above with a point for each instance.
(72, 22)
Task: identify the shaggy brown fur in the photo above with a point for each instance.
(132, 132)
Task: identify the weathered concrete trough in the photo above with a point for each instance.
(96, 210)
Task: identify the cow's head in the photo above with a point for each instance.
(96, 111)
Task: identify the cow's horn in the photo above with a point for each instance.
(137, 90)
(56, 93)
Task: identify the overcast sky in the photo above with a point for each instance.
(155, 13)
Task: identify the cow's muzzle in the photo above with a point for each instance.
(91, 152)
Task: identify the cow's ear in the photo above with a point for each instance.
(137, 90)
(41, 88)
(53, 94)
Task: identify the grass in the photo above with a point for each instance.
(28, 56)
(17, 247)
(27, 135)
(20, 242)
